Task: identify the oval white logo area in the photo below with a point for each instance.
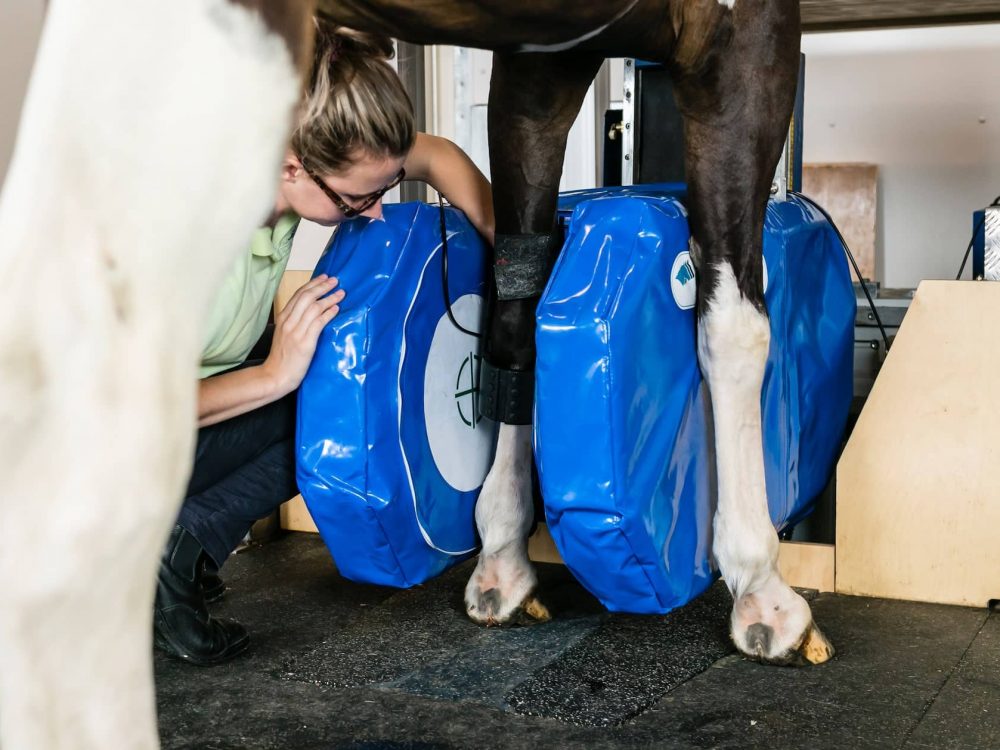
(763, 261)
(682, 281)
(461, 441)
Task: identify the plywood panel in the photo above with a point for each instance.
(541, 547)
(804, 565)
(849, 194)
(295, 516)
(830, 15)
(289, 284)
(809, 566)
(918, 497)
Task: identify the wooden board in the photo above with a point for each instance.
(841, 15)
(918, 496)
(805, 565)
(542, 548)
(808, 566)
(289, 284)
(295, 516)
(849, 193)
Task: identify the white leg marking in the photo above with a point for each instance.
(769, 620)
(148, 151)
(504, 576)
(728, 3)
(733, 343)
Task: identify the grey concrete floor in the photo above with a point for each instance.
(334, 664)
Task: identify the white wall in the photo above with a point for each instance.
(465, 86)
(20, 26)
(924, 105)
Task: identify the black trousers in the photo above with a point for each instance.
(244, 468)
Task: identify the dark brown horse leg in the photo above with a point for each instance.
(737, 106)
(533, 101)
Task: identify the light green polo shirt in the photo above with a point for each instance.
(243, 302)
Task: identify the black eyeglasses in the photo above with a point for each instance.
(367, 202)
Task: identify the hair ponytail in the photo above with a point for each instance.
(354, 101)
(332, 41)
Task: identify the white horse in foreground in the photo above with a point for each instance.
(150, 128)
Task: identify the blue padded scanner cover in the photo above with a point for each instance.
(622, 426)
(391, 450)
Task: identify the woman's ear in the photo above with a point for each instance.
(291, 168)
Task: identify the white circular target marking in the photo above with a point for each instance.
(461, 441)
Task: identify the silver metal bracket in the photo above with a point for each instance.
(628, 124)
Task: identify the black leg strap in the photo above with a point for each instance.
(522, 262)
(506, 396)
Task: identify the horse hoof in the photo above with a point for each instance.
(816, 648)
(489, 608)
(812, 647)
(774, 625)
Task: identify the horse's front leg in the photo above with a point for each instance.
(534, 99)
(737, 102)
(503, 585)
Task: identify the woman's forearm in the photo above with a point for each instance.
(233, 393)
(460, 180)
(296, 329)
(448, 169)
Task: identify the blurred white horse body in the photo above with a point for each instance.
(118, 217)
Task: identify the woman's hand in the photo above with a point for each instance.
(296, 330)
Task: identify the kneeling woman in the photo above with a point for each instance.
(354, 141)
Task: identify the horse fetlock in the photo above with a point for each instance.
(748, 561)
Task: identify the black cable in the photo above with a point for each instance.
(972, 239)
(444, 273)
(854, 263)
(850, 255)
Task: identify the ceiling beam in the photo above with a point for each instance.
(843, 15)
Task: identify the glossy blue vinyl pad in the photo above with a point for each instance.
(391, 452)
(622, 419)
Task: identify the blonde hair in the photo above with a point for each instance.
(354, 102)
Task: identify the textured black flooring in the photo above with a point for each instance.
(340, 665)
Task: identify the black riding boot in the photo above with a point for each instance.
(213, 587)
(182, 625)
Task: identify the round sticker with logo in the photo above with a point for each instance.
(683, 283)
